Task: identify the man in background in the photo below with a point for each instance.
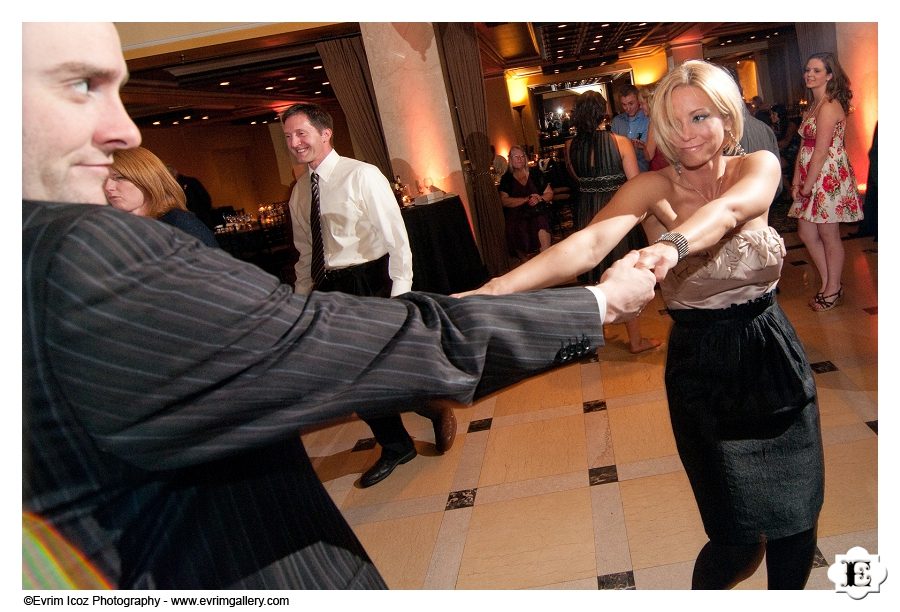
(198, 200)
(364, 250)
(633, 123)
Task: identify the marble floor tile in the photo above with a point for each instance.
(641, 431)
(530, 542)
(400, 547)
(661, 519)
(534, 449)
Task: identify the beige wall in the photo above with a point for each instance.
(503, 128)
(858, 53)
(412, 100)
(236, 164)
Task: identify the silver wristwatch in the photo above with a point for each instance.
(678, 240)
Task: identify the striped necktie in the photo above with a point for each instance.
(317, 265)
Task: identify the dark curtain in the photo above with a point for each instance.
(815, 38)
(345, 63)
(457, 44)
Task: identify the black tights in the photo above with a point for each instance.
(788, 562)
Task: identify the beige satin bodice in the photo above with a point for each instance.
(737, 269)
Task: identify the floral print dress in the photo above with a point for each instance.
(835, 198)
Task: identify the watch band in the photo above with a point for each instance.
(678, 240)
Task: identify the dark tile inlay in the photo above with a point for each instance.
(872, 311)
(602, 475)
(594, 406)
(480, 425)
(623, 581)
(363, 444)
(873, 425)
(819, 559)
(461, 499)
(822, 367)
(799, 262)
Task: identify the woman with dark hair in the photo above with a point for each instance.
(600, 161)
(824, 186)
(140, 184)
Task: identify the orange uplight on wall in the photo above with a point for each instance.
(518, 91)
(650, 69)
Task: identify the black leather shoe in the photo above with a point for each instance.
(383, 468)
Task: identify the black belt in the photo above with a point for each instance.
(747, 310)
(336, 273)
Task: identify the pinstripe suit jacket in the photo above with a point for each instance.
(165, 383)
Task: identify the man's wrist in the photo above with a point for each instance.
(601, 300)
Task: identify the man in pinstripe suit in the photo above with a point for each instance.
(164, 383)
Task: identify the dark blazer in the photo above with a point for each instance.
(165, 383)
(190, 223)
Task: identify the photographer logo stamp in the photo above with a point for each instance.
(857, 573)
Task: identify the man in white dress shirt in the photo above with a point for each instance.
(366, 252)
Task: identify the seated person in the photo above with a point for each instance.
(525, 196)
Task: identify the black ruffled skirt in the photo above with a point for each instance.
(742, 400)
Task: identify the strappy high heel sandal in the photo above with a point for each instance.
(827, 302)
(814, 300)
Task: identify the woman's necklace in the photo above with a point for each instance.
(686, 183)
(815, 109)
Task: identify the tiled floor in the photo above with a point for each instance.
(571, 480)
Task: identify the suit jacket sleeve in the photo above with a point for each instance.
(171, 353)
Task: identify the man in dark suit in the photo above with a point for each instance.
(198, 200)
(164, 383)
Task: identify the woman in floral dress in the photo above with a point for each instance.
(824, 186)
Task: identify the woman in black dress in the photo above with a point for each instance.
(741, 394)
(600, 162)
(526, 198)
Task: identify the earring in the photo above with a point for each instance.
(677, 165)
(734, 149)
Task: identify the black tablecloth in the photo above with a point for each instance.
(445, 258)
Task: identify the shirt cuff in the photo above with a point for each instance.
(601, 300)
(399, 287)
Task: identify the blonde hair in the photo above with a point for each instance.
(161, 191)
(715, 82)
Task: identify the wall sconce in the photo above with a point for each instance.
(519, 108)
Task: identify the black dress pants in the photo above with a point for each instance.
(372, 279)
